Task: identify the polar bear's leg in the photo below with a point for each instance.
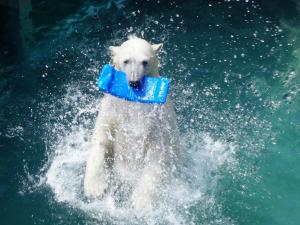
(154, 173)
(147, 186)
(95, 182)
(162, 153)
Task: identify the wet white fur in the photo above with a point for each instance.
(137, 141)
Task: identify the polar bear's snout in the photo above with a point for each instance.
(135, 69)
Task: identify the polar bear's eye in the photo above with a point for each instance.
(126, 61)
(145, 63)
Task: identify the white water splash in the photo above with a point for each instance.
(194, 188)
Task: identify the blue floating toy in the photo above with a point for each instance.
(150, 90)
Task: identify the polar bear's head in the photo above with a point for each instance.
(136, 57)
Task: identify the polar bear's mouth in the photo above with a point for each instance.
(134, 84)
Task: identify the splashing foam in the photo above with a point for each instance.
(194, 185)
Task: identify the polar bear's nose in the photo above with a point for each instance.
(134, 84)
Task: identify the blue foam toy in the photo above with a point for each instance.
(150, 90)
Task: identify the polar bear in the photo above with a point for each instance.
(135, 140)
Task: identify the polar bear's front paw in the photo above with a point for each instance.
(141, 200)
(94, 188)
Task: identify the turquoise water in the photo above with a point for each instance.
(234, 67)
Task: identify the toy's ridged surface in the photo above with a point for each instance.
(151, 90)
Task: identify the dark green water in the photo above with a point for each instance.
(235, 81)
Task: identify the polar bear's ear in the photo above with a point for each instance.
(114, 50)
(157, 47)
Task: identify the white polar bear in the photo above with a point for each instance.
(135, 140)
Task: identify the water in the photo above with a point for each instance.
(234, 67)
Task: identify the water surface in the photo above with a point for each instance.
(234, 67)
